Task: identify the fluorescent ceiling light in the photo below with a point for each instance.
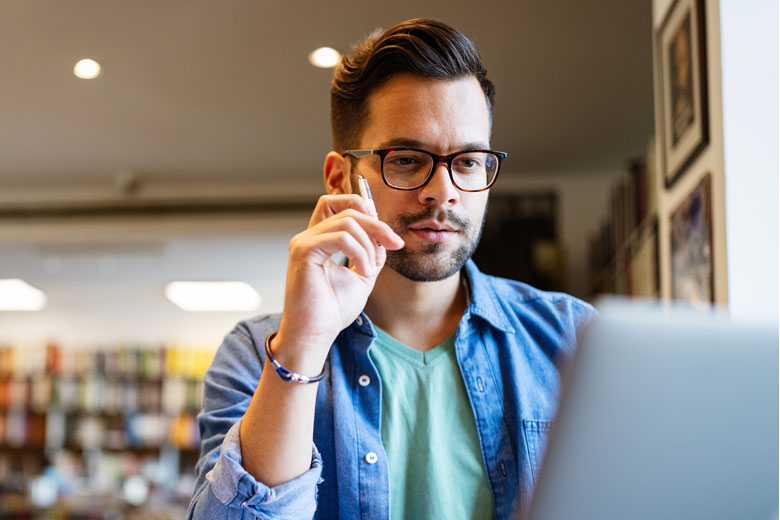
(86, 69)
(324, 57)
(213, 296)
(18, 295)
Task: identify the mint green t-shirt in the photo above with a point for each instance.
(429, 434)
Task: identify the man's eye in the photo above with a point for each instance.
(469, 163)
(406, 162)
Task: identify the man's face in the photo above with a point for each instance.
(440, 224)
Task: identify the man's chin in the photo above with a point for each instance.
(431, 265)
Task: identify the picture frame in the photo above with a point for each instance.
(692, 270)
(681, 49)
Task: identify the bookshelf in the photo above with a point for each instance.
(624, 250)
(99, 433)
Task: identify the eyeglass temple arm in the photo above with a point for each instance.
(358, 153)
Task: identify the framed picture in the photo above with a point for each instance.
(681, 48)
(520, 239)
(691, 234)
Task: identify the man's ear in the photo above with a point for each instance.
(336, 174)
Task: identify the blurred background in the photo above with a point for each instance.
(196, 154)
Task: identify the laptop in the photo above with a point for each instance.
(665, 414)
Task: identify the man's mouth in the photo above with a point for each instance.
(429, 225)
(431, 231)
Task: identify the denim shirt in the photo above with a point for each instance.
(510, 344)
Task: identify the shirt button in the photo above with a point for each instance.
(359, 321)
(364, 380)
(371, 457)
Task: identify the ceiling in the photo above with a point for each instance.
(197, 90)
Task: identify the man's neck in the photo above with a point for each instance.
(418, 314)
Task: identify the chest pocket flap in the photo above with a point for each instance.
(536, 433)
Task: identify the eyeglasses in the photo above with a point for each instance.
(410, 168)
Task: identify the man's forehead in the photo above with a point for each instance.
(404, 142)
(426, 113)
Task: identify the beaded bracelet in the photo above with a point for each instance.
(288, 375)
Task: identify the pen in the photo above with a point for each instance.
(365, 190)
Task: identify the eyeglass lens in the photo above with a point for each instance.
(409, 169)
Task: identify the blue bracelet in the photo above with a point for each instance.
(288, 375)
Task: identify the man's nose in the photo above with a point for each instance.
(440, 188)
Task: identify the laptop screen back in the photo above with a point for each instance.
(669, 415)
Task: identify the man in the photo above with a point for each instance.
(438, 382)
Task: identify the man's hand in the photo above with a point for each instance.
(321, 297)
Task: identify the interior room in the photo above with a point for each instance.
(196, 153)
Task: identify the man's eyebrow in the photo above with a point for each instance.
(402, 143)
(412, 143)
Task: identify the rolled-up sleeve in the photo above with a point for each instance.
(232, 492)
(224, 489)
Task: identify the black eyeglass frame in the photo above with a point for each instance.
(437, 160)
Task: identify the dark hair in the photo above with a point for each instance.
(421, 47)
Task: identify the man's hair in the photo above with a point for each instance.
(420, 47)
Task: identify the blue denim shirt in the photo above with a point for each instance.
(509, 344)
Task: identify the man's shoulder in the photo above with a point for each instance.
(248, 336)
(521, 303)
(522, 293)
(258, 327)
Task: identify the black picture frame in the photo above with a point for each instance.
(681, 50)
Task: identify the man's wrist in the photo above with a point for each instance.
(298, 354)
(287, 375)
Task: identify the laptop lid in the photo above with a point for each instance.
(665, 415)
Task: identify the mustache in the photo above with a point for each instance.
(407, 220)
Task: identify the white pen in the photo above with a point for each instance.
(365, 190)
(365, 193)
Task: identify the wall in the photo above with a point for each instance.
(749, 51)
(741, 49)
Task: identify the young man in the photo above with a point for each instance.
(439, 381)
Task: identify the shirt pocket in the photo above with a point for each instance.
(536, 433)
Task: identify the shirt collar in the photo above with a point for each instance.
(483, 300)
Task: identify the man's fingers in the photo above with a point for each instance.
(379, 231)
(322, 246)
(352, 222)
(329, 205)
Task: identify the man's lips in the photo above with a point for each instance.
(430, 225)
(430, 231)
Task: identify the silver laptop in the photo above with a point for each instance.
(665, 415)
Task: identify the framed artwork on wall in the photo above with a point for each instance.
(691, 235)
(681, 48)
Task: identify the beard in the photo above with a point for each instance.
(433, 263)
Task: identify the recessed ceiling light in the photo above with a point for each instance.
(18, 295)
(86, 69)
(324, 57)
(213, 296)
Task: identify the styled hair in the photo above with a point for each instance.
(420, 47)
